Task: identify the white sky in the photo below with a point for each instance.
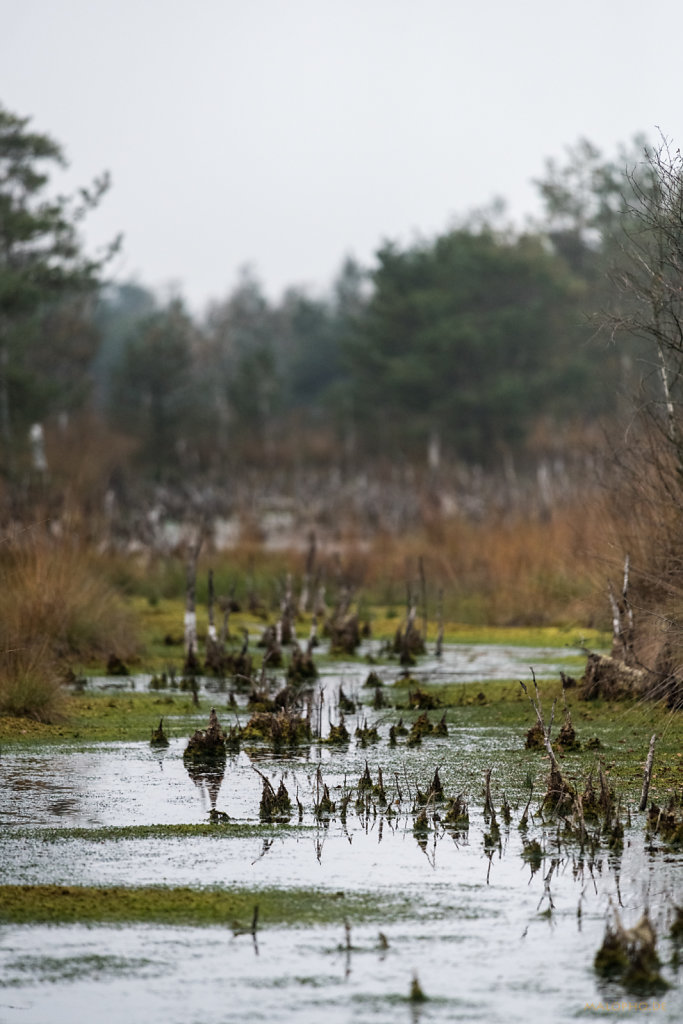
(286, 134)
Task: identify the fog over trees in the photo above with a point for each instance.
(476, 347)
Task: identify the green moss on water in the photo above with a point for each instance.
(500, 715)
(505, 696)
(120, 833)
(56, 904)
(516, 636)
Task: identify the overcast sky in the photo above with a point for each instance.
(286, 134)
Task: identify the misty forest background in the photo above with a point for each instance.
(475, 349)
(486, 401)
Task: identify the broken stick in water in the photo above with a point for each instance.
(647, 773)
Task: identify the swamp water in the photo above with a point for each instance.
(495, 928)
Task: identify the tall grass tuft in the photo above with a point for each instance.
(55, 610)
(30, 684)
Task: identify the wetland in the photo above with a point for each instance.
(428, 880)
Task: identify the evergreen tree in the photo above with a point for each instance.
(42, 267)
(470, 337)
(154, 395)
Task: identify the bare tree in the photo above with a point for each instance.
(650, 280)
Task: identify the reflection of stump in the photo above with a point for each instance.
(202, 767)
(630, 955)
(207, 773)
(205, 758)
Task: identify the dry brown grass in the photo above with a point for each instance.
(513, 571)
(31, 684)
(500, 571)
(54, 610)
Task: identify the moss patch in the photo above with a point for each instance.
(55, 904)
(103, 717)
(499, 711)
(119, 833)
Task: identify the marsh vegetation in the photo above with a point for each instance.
(380, 851)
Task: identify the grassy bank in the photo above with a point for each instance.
(105, 718)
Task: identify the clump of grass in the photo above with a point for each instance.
(346, 705)
(206, 745)
(339, 734)
(274, 806)
(534, 738)
(284, 728)
(421, 727)
(55, 610)
(457, 813)
(30, 684)
(422, 701)
(159, 737)
(53, 592)
(416, 993)
(366, 734)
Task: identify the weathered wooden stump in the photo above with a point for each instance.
(609, 677)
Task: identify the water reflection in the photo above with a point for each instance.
(207, 775)
(35, 785)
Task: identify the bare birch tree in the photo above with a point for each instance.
(650, 280)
